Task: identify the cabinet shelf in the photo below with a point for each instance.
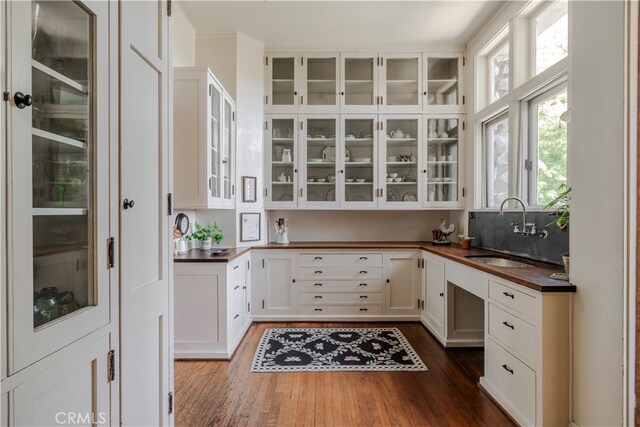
(359, 81)
(58, 138)
(60, 77)
(401, 163)
(281, 183)
(442, 162)
(441, 85)
(357, 140)
(59, 211)
(321, 165)
(281, 163)
(359, 183)
(402, 81)
(441, 182)
(401, 183)
(358, 164)
(282, 80)
(442, 140)
(282, 140)
(392, 140)
(321, 183)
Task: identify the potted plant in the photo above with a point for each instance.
(561, 206)
(465, 241)
(205, 235)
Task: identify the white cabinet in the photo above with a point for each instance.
(281, 161)
(211, 307)
(359, 82)
(443, 87)
(403, 293)
(360, 163)
(442, 165)
(434, 295)
(274, 283)
(320, 82)
(204, 135)
(401, 82)
(282, 82)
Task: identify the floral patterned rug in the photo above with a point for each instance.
(335, 349)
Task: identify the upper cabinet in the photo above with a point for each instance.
(443, 83)
(204, 135)
(364, 82)
(443, 171)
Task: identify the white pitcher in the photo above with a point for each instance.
(282, 233)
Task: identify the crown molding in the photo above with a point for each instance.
(216, 34)
(353, 48)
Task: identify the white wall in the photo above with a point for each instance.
(597, 143)
(363, 226)
(219, 54)
(183, 39)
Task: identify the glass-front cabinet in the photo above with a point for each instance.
(401, 82)
(226, 164)
(320, 82)
(359, 76)
(282, 161)
(400, 160)
(443, 88)
(214, 113)
(321, 179)
(359, 140)
(282, 85)
(443, 154)
(58, 186)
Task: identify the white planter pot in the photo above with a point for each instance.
(205, 245)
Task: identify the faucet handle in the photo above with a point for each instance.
(532, 228)
(516, 229)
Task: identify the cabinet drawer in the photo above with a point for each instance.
(235, 298)
(340, 298)
(341, 285)
(235, 273)
(341, 310)
(513, 332)
(339, 273)
(234, 324)
(340, 260)
(514, 299)
(513, 380)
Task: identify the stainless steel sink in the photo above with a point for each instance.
(498, 262)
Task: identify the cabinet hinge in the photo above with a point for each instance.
(5, 96)
(233, 190)
(464, 125)
(418, 263)
(266, 125)
(464, 191)
(464, 100)
(233, 116)
(170, 204)
(464, 61)
(422, 262)
(301, 60)
(248, 307)
(111, 365)
(263, 265)
(266, 99)
(263, 304)
(170, 402)
(266, 191)
(266, 60)
(301, 125)
(111, 261)
(381, 61)
(528, 165)
(168, 7)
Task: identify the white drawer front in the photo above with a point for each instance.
(515, 382)
(340, 298)
(515, 333)
(341, 310)
(235, 297)
(339, 273)
(340, 260)
(516, 300)
(236, 273)
(341, 285)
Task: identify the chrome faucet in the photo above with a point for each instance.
(528, 229)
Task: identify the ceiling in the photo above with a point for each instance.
(336, 23)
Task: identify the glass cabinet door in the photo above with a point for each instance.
(282, 154)
(360, 144)
(321, 80)
(359, 78)
(282, 80)
(227, 142)
(58, 197)
(215, 117)
(443, 155)
(442, 77)
(402, 151)
(321, 159)
(402, 82)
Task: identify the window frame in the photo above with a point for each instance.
(533, 45)
(489, 76)
(501, 115)
(529, 140)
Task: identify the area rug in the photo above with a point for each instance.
(335, 349)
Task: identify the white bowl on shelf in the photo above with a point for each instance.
(389, 179)
(322, 180)
(360, 180)
(393, 175)
(397, 179)
(311, 179)
(314, 160)
(349, 180)
(362, 160)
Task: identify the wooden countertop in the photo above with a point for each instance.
(535, 277)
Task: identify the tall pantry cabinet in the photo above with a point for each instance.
(58, 338)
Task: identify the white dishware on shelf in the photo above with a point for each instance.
(360, 180)
(331, 178)
(410, 197)
(391, 158)
(389, 179)
(442, 158)
(397, 179)
(393, 175)
(362, 160)
(444, 135)
(282, 178)
(413, 158)
(397, 134)
(315, 160)
(286, 155)
(349, 180)
(310, 179)
(331, 195)
(432, 158)
(321, 180)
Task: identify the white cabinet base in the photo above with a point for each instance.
(182, 352)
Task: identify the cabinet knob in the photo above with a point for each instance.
(342, 93)
(442, 294)
(22, 101)
(295, 92)
(128, 204)
(424, 93)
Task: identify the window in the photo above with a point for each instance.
(496, 162)
(546, 167)
(499, 72)
(551, 28)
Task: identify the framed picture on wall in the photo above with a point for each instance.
(250, 227)
(249, 188)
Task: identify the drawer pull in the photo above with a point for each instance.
(508, 369)
(363, 297)
(236, 287)
(317, 309)
(363, 258)
(317, 272)
(508, 325)
(364, 309)
(317, 284)
(318, 297)
(363, 284)
(363, 272)
(236, 316)
(507, 294)
(319, 258)
(236, 267)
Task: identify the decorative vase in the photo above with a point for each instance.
(565, 261)
(205, 245)
(466, 243)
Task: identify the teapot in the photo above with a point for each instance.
(397, 134)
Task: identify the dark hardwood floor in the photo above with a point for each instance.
(226, 393)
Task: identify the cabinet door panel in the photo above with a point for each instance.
(359, 141)
(281, 155)
(435, 293)
(359, 75)
(280, 297)
(321, 157)
(401, 84)
(402, 293)
(320, 77)
(282, 83)
(443, 82)
(443, 181)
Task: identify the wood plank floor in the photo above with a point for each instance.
(226, 393)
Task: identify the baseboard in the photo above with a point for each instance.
(191, 355)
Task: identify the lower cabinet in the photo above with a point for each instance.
(274, 277)
(212, 308)
(403, 293)
(434, 295)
